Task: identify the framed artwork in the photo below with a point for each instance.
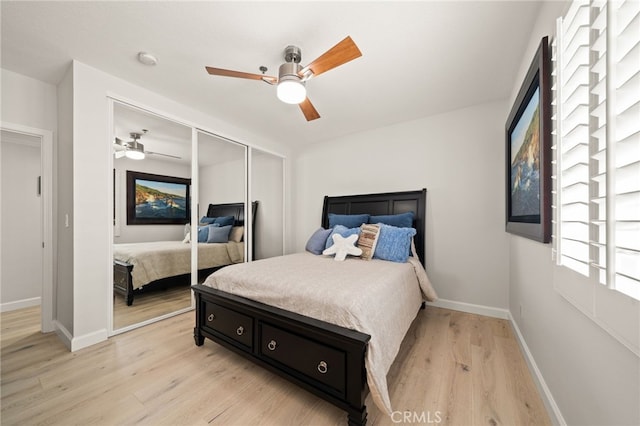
(528, 153)
(156, 199)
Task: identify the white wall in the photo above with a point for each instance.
(459, 157)
(591, 376)
(142, 233)
(21, 283)
(267, 189)
(28, 101)
(92, 178)
(65, 257)
(222, 183)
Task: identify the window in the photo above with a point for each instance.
(597, 143)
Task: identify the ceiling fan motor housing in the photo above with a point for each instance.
(288, 70)
(292, 54)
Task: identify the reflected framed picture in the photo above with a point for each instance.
(528, 153)
(156, 199)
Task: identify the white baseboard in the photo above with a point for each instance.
(63, 333)
(77, 343)
(81, 342)
(487, 311)
(19, 304)
(545, 392)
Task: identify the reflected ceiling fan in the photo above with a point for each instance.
(133, 149)
(292, 77)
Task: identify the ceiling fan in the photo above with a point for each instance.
(133, 149)
(292, 76)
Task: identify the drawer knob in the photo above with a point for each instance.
(272, 345)
(322, 367)
(211, 317)
(240, 331)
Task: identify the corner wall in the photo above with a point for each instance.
(64, 148)
(459, 157)
(591, 378)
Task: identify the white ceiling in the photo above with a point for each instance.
(419, 58)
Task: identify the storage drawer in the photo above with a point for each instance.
(322, 363)
(121, 275)
(232, 324)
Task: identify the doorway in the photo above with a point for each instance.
(27, 219)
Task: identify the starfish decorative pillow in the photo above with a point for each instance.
(343, 246)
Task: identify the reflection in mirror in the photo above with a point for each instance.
(267, 179)
(152, 263)
(221, 194)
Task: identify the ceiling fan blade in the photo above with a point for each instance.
(119, 154)
(309, 111)
(239, 74)
(164, 155)
(118, 145)
(339, 54)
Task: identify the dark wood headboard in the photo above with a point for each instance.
(237, 211)
(383, 204)
(232, 209)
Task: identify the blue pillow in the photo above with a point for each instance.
(218, 234)
(394, 243)
(402, 220)
(342, 230)
(225, 220)
(207, 220)
(348, 220)
(318, 240)
(203, 233)
(221, 221)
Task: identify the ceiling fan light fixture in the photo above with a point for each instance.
(291, 89)
(135, 151)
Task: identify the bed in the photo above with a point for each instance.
(154, 265)
(316, 345)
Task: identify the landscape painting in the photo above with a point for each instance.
(156, 199)
(528, 153)
(525, 161)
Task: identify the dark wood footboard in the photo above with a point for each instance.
(122, 281)
(322, 358)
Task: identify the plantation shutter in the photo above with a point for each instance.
(572, 139)
(598, 153)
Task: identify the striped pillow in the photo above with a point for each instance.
(368, 240)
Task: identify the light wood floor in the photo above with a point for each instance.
(150, 304)
(458, 368)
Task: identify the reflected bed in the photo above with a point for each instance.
(159, 264)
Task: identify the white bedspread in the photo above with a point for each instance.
(376, 297)
(161, 259)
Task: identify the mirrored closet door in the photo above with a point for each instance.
(221, 191)
(152, 183)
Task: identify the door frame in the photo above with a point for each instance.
(46, 170)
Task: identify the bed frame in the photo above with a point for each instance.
(248, 327)
(123, 282)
